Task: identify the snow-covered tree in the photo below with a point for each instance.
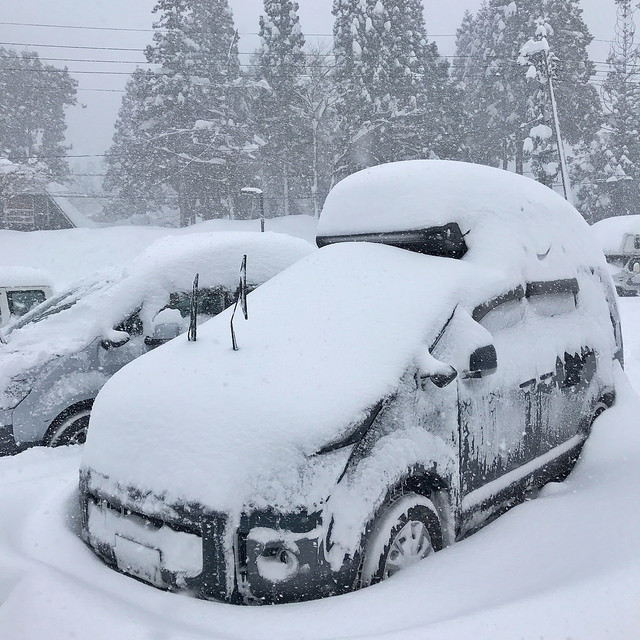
(33, 98)
(184, 123)
(542, 147)
(394, 90)
(281, 61)
(318, 97)
(610, 175)
(497, 94)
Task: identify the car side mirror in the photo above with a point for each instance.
(445, 378)
(115, 339)
(163, 332)
(482, 362)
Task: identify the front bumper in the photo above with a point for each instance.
(266, 558)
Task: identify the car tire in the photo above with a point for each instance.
(70, 427)
(405, 530)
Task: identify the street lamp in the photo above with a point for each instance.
(254, 191)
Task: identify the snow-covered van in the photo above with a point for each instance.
(619, 239)
(21, 289)
(55, 359)
(443, 355)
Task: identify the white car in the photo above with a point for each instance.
(55, 359)
(440, 360)
(619, 239)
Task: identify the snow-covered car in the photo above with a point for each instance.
(619, 239)
(21, 289)
(55, 359)
(443, 357)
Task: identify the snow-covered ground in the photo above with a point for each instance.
(566, 565)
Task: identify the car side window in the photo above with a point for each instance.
(501, 312)
(22, 301)
(553, 297)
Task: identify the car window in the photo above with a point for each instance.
(210, 301)
(132, 325)
(505, 315)
(24, 300)
(553, 297)
(501, 312)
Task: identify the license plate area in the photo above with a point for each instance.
(138, 560)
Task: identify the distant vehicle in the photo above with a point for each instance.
(619, 239)
(442, 358)
(21, 289)
(55, 359)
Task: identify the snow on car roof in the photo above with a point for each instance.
(16, 276)
(507, 219)
(610, 232)
(102, 301)
(325, 341)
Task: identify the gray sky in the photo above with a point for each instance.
(91, 127)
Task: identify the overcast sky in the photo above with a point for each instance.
(91, 126)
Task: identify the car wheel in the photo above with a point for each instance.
(406, 530)
(70, 427)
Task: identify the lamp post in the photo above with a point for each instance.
(254, 191)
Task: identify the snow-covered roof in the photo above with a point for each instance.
(102, 301)
(76, 218)
(16, 276)
(609, 233)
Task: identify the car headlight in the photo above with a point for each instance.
(15, 392)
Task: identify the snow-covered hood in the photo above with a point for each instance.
(90, 309)
(325, 341)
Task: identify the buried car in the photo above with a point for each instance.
(443, 357)
(619, 238)
(55, 359)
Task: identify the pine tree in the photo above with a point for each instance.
(318, 99)
(189, 130)
(610, 175)
(498, 95)
(281, 61)
(33, 98)
(393, 88)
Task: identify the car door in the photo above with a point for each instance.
(500, 414)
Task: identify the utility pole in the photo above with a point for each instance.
(564, 167)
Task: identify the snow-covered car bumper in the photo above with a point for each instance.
(267, 558)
